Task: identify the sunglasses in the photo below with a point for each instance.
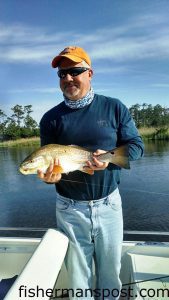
(71, 71)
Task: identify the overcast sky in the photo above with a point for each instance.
(127, 40)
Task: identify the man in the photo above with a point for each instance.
(88, 207)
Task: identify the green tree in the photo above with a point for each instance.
(143, 115)
(12, 130)
(135, 112)
(3, 122)
(146, 115)
(30, 125)
(157, 118)
(28, 109)
(28, 120)
(18, 114)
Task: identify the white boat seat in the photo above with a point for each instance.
(150, 275)
(41, 271)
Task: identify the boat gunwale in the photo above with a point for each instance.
(126, 232)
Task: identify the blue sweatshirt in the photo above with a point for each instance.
(104, 124)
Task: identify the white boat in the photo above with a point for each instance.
(41, 273)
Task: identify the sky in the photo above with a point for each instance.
(127, 40)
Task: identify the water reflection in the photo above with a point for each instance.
(25, 201)
(158, 148)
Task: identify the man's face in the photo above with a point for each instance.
(76, 87)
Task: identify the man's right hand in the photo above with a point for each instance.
(49, 176)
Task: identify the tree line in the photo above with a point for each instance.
(21, 124)
(147, 115)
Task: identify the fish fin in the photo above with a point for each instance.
(87, 170)
(120, 157)
(57, 170)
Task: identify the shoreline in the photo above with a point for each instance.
(153, 134)
(21, 142)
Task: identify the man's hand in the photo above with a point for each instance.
(49, 176)
(96, 164)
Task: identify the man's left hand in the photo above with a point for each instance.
(96, 164)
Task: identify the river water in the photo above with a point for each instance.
(25, 201)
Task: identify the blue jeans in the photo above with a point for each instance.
(95, 230)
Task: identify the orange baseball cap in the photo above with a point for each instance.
(73, 53)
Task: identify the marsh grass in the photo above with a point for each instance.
(151, 133)
(19, 142)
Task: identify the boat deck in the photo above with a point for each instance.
(145, 267)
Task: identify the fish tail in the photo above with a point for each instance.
(120, 157)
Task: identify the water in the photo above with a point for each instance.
(25, 201)
(145, 190)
